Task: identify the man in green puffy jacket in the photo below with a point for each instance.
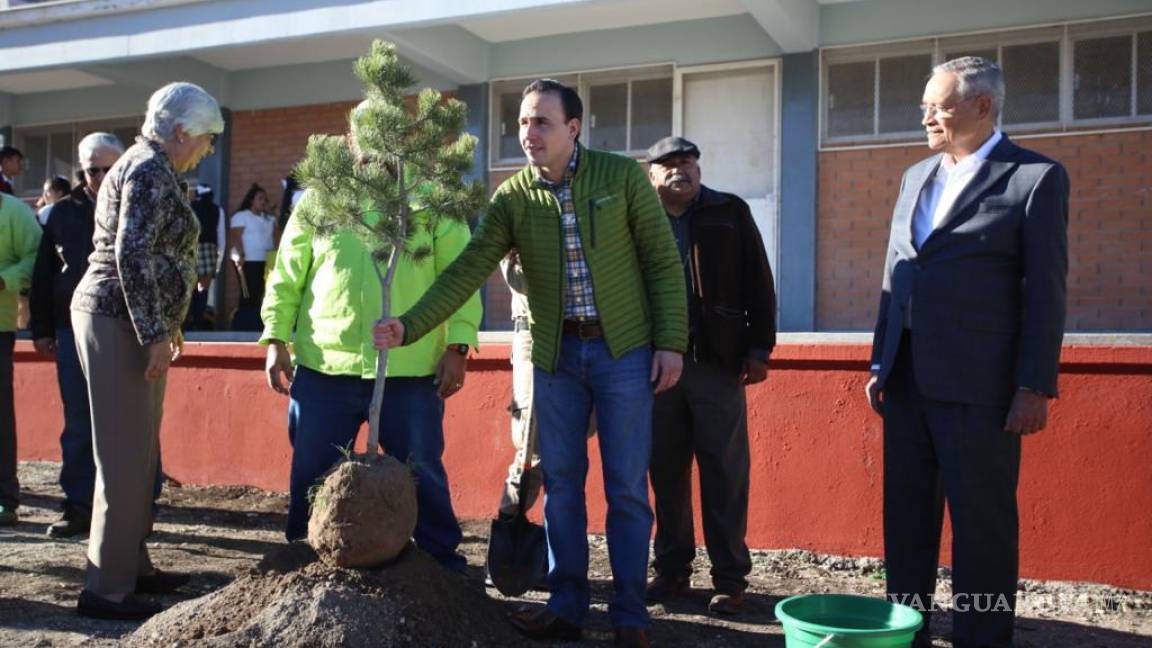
(323, 295)
(609, 327)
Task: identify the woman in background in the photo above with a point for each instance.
(55, 189)
(252, 234)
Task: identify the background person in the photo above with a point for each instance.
(966, 348)
(210, 215)
(11, 165)
(126, 314)
(324, 296)
(19, 238)
(253, 233)
(732, 331)
(55, 189)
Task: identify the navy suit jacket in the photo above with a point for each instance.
(986, 290)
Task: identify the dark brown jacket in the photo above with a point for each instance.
(733, 293)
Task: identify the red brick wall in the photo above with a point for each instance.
(1109, 229)
(266, 144)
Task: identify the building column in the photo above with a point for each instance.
(799, 141)
(476, 96)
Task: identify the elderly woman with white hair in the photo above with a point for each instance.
(126, 316)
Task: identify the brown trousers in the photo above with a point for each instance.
(126, 413)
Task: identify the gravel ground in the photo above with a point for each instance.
(221, 533)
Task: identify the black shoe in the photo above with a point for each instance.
(663, 588)
(130, 609)
(542, 624)
(74, 522)
(161, 582)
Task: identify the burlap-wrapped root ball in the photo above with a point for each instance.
(364, 513)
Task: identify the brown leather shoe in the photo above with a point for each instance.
(664, 588)
(630, 638)
(541, 623)
(727, 604)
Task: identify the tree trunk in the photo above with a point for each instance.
(386, 300)
(381, 356)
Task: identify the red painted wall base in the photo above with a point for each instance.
(1085, 487)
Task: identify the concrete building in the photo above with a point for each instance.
(807, 108)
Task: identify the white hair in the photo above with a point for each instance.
(181, 104)
(976, 77)
(93, 142)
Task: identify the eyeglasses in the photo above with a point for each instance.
(92, 171)
(937, 109)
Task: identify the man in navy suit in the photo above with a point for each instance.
(966, 349)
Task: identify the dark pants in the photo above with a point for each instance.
(325, 414)
(9, 484)
(935, 450)
(196, 309)
(702, 417)
(77, 465)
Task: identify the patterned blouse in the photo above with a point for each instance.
(143, 267)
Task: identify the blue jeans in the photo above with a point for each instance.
(77, 465)
(77, 468)
(325, 414)
(587, 376)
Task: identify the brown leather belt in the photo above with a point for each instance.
(585, 330)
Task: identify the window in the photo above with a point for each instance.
(1102, 79)
(875, 93)
(1031, 64)
(1032, 72)
(625, 111)
(1144, 73)
(901, 88)
(51, 150)
(851, 98)
(1057, 78)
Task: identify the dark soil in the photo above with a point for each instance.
(364, 512)
(235, 535)
(292, 599)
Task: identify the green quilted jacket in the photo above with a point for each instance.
(628, 245)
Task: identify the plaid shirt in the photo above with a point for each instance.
(206, 254)
(579, 301)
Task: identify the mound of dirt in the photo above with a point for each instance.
(364, 512)
(295, 600)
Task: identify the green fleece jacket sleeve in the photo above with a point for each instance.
(286, 283)
(464, 276)
(659, 262)
(24, 241)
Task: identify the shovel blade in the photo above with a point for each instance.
(517, 555)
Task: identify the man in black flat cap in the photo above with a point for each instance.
(732, 329)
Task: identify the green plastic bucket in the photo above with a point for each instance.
(845, 621)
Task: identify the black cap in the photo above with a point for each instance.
(671, 146)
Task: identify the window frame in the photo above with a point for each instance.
(1065, 34)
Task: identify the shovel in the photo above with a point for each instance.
(517, 548)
